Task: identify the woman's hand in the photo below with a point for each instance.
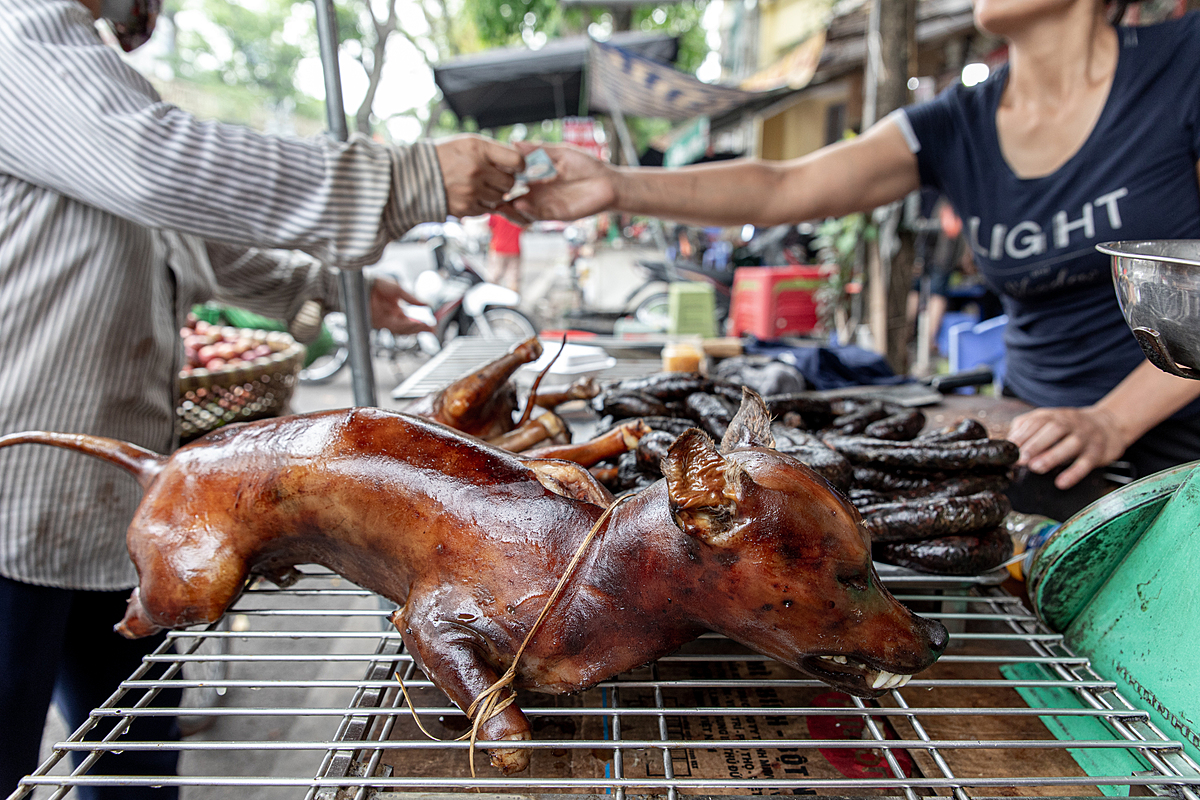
(583, 186)
(1086, 438)
(1098, 434)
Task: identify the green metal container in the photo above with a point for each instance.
(1119, 580)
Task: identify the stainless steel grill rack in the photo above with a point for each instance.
(307, 680)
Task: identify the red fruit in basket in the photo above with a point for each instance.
(226, 350)
(244, 344)
(206, 353)
(195, 341)
(234, 362)
(191, 356)
(201, 326)
(214, 363)
(262, 351)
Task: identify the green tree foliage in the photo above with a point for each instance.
(511, 23)
(243, 57)
(681, 20)
(258, 53)
(507, 23)
(259, 46)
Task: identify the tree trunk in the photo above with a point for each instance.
(383, 31)
(891, 48)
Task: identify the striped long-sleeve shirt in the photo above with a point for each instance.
(117, 212)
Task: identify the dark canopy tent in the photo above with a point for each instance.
(507, 86)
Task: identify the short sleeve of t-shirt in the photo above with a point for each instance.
(928, 128)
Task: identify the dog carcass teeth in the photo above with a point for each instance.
(904, 679)
(880, 679)
(835, 659)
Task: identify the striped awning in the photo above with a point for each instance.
(643, 87)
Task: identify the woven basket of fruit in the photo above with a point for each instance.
(234, 375)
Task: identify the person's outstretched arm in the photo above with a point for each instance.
(860, 174)
(78, 121)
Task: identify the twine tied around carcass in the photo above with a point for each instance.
(487, 703)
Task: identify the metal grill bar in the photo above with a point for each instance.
(716, 658)
(317, 652)
(698, 711)
(722, 684)
(619, 783)
(125, 745)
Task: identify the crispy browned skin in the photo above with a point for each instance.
(481, 403)
(530, 433)
(471, 542)
(620, 439)
(582, 389)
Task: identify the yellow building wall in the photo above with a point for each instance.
(785, 23)
(797, 130)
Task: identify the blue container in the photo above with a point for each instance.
(976, 344)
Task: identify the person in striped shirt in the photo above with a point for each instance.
(117, 213)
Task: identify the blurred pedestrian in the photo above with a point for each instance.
(942, 254)
(504, 252)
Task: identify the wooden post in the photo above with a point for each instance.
(891, 48)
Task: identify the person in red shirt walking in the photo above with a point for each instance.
(505, 252)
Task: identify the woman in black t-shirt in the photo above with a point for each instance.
(1036, 140)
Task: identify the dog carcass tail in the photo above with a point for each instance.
(142, 463)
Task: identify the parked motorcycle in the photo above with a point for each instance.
(459, 301)
(653, 309)
(649, 301)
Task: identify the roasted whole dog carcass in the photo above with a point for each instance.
(471, 541)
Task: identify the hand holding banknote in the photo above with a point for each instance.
(572, 185)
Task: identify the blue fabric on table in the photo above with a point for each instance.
(830, 367)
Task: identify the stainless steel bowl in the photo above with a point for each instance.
(1158, 287)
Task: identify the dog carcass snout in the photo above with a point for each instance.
(936, 633)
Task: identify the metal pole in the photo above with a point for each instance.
(354, 285)
(631, 157)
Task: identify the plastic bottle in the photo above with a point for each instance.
(683, 356)
(1029, 532)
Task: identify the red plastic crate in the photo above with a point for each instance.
(770, 302)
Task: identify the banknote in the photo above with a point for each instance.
(538, 167)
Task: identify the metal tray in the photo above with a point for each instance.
(307, 676)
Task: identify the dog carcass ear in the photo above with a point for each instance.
(702, 487)
(751, 425)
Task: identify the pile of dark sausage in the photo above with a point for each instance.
(932, 502)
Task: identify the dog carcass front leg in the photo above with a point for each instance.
(452, 655)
